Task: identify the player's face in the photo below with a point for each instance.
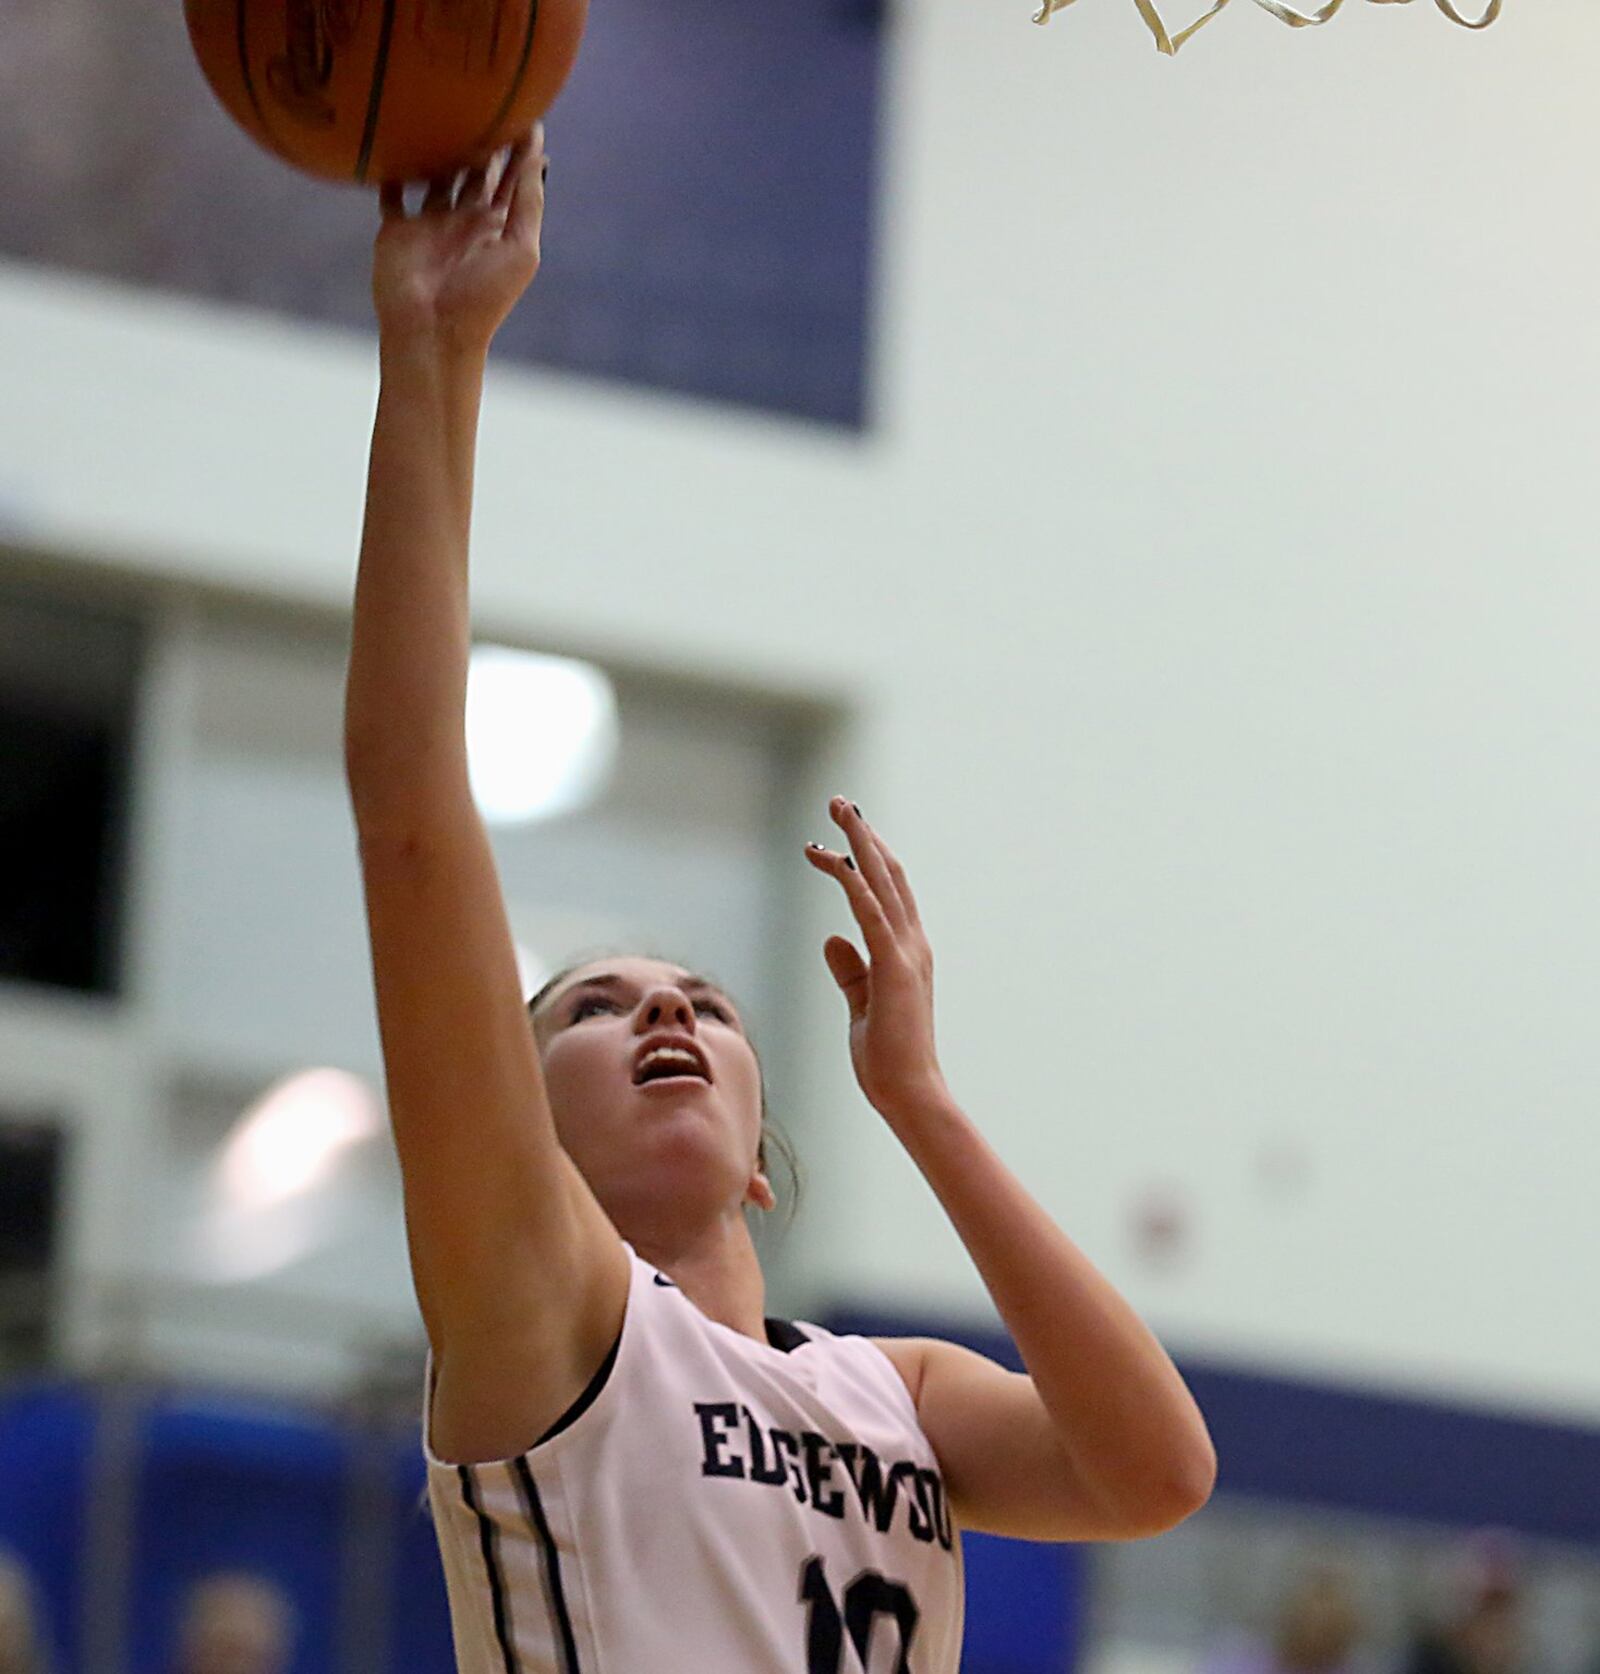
(654, 1086)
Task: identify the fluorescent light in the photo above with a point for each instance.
(541, 733)
(261, 1209)
(290, 1139)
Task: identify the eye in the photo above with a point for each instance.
(717, 1010)
(581, 1009)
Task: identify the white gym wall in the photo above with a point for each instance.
(1213, 600)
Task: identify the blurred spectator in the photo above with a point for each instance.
(1482, 1628)
(1317, 1630)
(236, 1624)
(22, 1648)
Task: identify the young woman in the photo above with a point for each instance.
(632, 1470)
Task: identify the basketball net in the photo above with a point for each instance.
(1169, 44)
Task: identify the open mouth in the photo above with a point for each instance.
(670, 1064)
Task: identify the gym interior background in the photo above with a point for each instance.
(1154, 489)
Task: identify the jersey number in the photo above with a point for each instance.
(869, 1595)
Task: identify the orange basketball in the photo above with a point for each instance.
(373, 90)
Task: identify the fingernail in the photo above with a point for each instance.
(850, 863)
(544, 173)
(816, 846)
(857, 807)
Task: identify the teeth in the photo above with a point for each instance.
(671, 1056)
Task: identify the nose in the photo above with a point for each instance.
(664, 1006)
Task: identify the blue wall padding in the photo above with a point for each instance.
(420, 1640)
(1358, 1449)
(1397, 1457)
(1024, 1606)
(46, 1435)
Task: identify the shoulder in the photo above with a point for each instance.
(909, 1357)
(921, 1360)
(494, 1396)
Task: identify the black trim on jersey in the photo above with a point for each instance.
(586, 1399)
(552, 1566)
(781, 1333)
(785, 1334)
(491, 1562)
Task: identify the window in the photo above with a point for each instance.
(67, 682)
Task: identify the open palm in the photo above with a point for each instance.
(889, 992)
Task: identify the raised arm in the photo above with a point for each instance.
(1101, 1439)
(520, 1275)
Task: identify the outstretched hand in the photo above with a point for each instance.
(456, 267)
(890, 992)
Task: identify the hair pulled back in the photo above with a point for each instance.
(774, 1141)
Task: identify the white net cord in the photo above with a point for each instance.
(1169, 43)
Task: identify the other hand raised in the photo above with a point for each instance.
(890, 991)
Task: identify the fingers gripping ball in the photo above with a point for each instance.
(371, 90)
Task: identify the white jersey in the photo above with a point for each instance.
(709, 1505)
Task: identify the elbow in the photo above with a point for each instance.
(357, 752)
(365, 769)
(1195, 1482)
(373, 758)
(404, 786)
(1188, 1487)
(1182, 1490)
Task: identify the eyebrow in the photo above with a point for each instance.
(610, 979)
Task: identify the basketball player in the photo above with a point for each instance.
(632, 1470)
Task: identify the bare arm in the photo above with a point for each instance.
(518, 1272)
(1102, 1438)
(443, 280)
(405, 695)
(1000, 1453)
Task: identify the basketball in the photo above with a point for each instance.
(374, 90)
